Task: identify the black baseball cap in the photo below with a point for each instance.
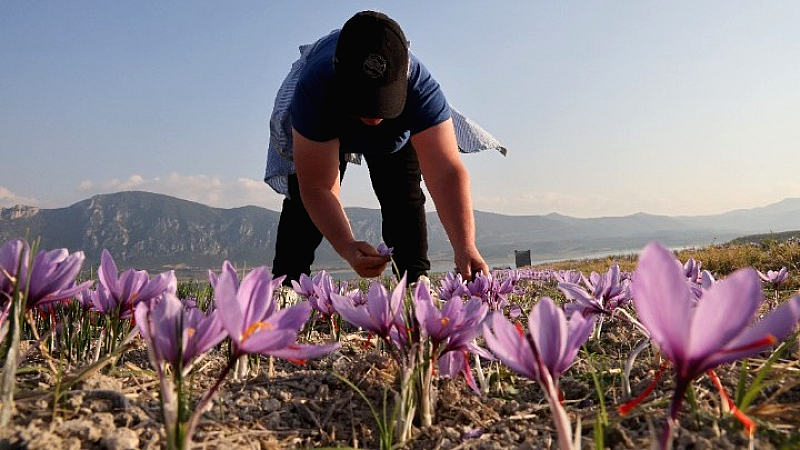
(371, 66)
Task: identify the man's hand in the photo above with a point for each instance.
(469, 262)
(364, 259)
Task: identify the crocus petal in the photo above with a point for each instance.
(450, 364)
(293, 317)
(724, 311)
(575, 291)
(304, 286)
(548, 328)
(509, 347)
(212, 279)
(398, 294)
(162, 283)
(130, 283)
(166, 327)
(578, 330)
(225, 299)
(52, 271)
(255, 295)
(423, 308)
(207, 332)
(266, 341)
(303, 352)
(13, 264)
(356, 315)
(107, 273)
(779, 323)
(142, 322)
(663, 300)
(379, 309)
(64, 294)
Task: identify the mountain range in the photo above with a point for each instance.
(156, 232)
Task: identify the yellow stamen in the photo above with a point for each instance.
(255, 326)
(445, 321)
(190, 332)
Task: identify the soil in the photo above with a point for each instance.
(306, 406)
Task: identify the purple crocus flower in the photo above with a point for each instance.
(379, 314)
(697, 336)
(176, 334)
(602, 294)
(451, 330)
(542, 353)
(384, 250)
(102, 301)
(491, 290)
(774, 278)
(452, 285)
(704, 281)
(550, 343)
(304, 286)
(317, 291)
(52, 277)
(453, 327)
(691, 270)
(356, 296)
(124, 291)
(568, 276)
(203, 331)
(250, 315)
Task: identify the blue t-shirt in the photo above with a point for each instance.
(315, 115)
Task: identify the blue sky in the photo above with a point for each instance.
(607, 108)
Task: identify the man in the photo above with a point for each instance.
(359, 91)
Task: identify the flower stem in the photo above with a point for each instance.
(560, 417)
(207, 398)
(12, 359)
(426, 393)
(681, 386)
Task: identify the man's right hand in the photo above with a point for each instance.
(365, 259)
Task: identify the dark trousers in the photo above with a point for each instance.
(396, 180)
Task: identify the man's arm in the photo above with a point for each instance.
(448, 183)
(317, 165)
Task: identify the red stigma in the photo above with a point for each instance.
(629, 406)
(749, 425)
(766, 341)
(366, 341)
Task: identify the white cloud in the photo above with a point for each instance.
(210, 190)
(8, 199)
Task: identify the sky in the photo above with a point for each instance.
(607, 108)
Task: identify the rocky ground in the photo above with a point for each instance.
(308, 407)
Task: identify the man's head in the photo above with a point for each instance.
(371, 66)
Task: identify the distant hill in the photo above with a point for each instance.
(767, 237)
(154, 231)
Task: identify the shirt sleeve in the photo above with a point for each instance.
(310, 109)
(426, 102)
